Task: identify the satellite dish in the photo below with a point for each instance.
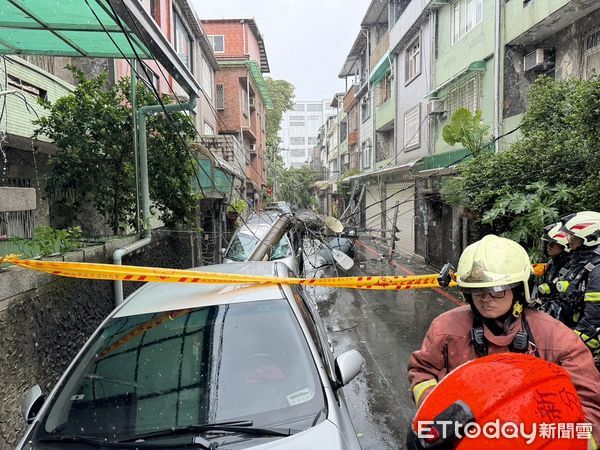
(334, 225)
(343, 260)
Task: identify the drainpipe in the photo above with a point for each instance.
(497, 56)
(142, 115)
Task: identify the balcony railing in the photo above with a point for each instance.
(349, 97)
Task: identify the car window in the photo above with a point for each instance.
(241, 247)
(282, 249)
(179, 368)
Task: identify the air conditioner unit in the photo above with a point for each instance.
(435, 107)
(540, 58)
(252, 102)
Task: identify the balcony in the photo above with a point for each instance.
(384, 115)
(380, 51)
(350, 97)
(538, 20)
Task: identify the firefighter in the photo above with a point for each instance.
(493, 275)
(580, 286)
(557, 248)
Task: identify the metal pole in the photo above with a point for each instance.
(393, 243)
(497, 56)
(135, 143)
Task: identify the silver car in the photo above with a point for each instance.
(288, 250)
(202, 366)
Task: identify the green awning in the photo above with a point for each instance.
(442, 160)
(382, 67)
(475, 66)
(254, 69)
(90, 29)
(63, 28)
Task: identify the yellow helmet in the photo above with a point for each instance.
(493, 264)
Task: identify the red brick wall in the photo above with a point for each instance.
(234, 36)
(231, 117)
(234, 31)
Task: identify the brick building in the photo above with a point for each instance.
(241, 97)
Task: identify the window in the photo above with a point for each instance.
(245, 103)
(218, 42)
(467, 14)
(220, 100)
(208, 129)
(343, 131)
(296, 117)
(312, 141)
(26, 87)
(413, 60)
(148, 76)
(297, 124)
(385, 88)
(465, 95)
(297, 141)
(592, 54)
(207, 78)
(298, 153)
(365, 108)
(154, 10)
(314, 107)
(298, 107)
(183, 43)
(366, 154)
(314, 117)
(412, 128)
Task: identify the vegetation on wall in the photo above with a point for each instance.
(552, 170)
(95, 162)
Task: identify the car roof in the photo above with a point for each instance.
(160, 297)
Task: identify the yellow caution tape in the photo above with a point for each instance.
(95, 271)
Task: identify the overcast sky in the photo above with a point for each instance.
(306, 40)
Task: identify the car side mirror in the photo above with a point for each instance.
(32, 403)
(348, 365)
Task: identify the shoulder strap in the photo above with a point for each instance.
(530, 336)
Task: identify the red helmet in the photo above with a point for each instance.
(506, 400)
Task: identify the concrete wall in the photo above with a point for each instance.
(412, 92)
(44, 320)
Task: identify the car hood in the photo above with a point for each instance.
(324, 435)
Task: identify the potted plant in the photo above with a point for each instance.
(235, 209)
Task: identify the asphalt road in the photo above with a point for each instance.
(385, 327)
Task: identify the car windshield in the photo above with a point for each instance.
(152, 372)
(241, 247)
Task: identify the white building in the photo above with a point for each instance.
(299, 130)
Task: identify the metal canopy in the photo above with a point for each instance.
(87, 29)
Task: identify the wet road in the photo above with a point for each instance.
(385, 327)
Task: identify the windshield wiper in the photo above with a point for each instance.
(75, 438)
(242, 426)
(101, 442)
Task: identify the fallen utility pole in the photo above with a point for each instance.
(263, 249)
